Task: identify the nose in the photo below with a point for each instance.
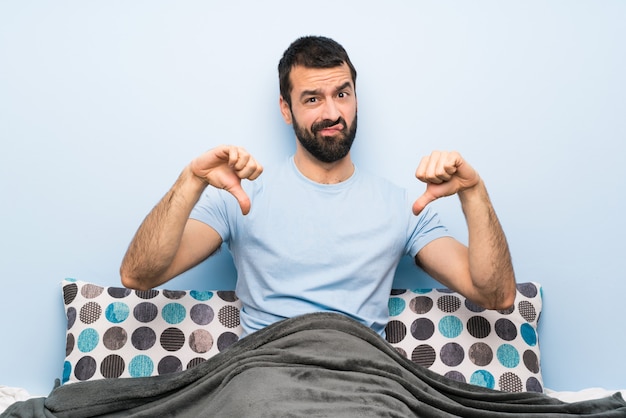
(330, 110)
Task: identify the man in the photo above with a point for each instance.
(317, 233)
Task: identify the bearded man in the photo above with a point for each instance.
(317, 233)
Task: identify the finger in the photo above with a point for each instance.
(251, 171)
(243, 159)
(257, 172)
(246, 166)
(429, 169)
(233, 155)
(422, 201)
(450, 162)
(442, 167)
(439, 167)
(433, 169)
(242, 198)
(420, 172)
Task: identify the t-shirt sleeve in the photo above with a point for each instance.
(424, 228)
(212, 209)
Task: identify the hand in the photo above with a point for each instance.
(224, 167)
(445, 174)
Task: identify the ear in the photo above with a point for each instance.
(285, 110)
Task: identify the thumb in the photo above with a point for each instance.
(422, 202)
(241, 196)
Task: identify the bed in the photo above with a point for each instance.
(160, 352)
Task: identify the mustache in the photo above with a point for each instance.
(327, 123)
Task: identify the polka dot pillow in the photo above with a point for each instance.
(450, 335)
(116, 332)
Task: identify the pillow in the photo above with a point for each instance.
(117, 332)
(441, 330)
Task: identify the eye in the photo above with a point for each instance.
(311, 100)
(342, 94)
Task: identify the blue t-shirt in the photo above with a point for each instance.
(308, 247)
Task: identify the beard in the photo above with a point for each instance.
(327, 149)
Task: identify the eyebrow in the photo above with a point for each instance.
(316, 92)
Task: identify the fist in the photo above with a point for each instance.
(445, 173)
(224, 167)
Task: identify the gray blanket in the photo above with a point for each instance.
(317, 365)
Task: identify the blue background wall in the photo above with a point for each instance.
(102, 103)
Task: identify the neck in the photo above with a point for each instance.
(321, 172)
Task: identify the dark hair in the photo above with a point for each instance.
(311, 52)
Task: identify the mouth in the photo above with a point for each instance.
(329, 128)
(332, 130)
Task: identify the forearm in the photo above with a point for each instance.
(490, 265)
(157, 240)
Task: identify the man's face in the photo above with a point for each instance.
(323, 111)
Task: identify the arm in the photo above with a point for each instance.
(483, 271)
(168, 243)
